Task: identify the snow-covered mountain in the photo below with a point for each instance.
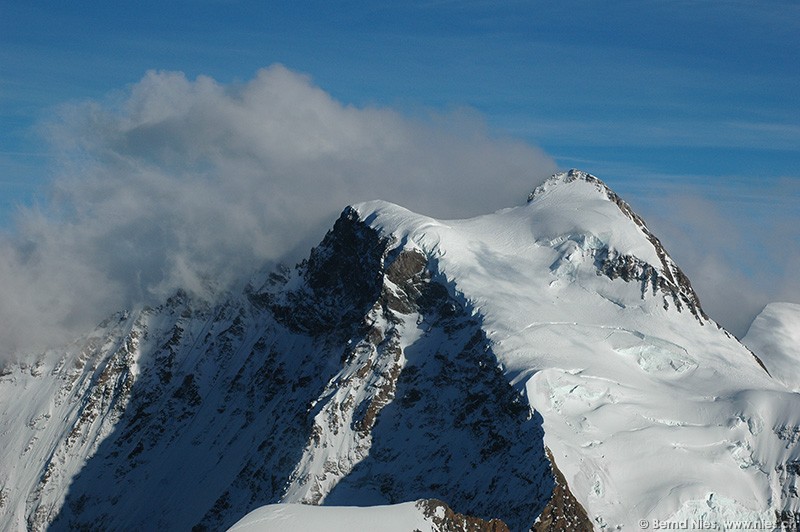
(544, 364)
(419, 516)
(775, 337)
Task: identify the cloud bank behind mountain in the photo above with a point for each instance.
(195, 184)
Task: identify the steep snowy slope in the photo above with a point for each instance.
(547, 363)
(775, 337)
(56, 412)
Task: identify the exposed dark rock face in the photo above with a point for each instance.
(787, 520)
(342, 279)
(563, 512)
(446, 520)
(219, 412)
(632, 269)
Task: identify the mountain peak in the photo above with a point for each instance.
(573, 206)
(566, 177)
(672, 276)
(570, 176)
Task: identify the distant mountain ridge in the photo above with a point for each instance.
(544, 364)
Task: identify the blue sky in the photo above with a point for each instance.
(689, 109)
(629, 82)
(624, 88)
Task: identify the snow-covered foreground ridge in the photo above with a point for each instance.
(419, 516)
(547, 363)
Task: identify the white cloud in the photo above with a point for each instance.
(176, 181)
(741, 249)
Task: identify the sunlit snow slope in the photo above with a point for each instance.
(280, 517)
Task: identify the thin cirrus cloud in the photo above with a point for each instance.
(177, 183)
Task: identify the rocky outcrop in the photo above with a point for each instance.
(445, 519)
(563, 511)
(341, 280)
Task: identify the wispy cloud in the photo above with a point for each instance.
(690, 133)
(739, 244)
(177, 181)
